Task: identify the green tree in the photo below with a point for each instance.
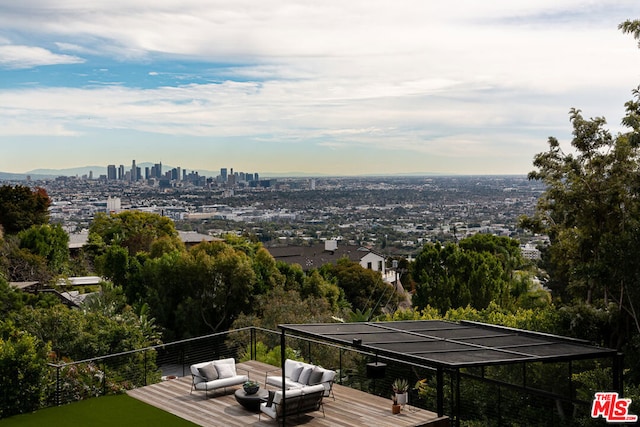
(362, 288)
(50, 242)
(460, 275)
(200, 291)
(21, 207)
(134, 230)
(591, 212)
(23, 369)
(113, 265)
(21, 265)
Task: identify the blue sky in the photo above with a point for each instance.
(326, 87)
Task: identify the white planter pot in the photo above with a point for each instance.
(402, 398)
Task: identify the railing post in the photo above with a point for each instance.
(57, 385)
(104, 378)
(145, 367)
(440, 392)
(282, 360)
(340, 366)
(254, 344)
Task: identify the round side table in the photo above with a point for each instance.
(251, 401)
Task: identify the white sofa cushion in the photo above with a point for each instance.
(276, 380)
(292, 369)
(221, 382)
(225, 369)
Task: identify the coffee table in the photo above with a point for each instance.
(251, 401)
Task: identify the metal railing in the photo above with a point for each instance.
(482, 400)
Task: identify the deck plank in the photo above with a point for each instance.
(351, 408)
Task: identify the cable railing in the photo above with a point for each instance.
(482, 401)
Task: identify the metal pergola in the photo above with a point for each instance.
(443, 345)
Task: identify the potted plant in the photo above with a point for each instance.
(395, 408)
(400, 387)
(251, 387)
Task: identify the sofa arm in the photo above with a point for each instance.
(194, 376)
(244, 370)
(266, 374)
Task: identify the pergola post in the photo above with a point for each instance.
(618, 373)
(440, 391)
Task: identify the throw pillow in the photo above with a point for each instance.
(316, 376)
(295, 373)
(226, 370)
(209, 372)
(272, 394)
(304, 375)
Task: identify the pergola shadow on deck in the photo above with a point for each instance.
(351, 408)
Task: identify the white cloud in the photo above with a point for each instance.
(455, 78)
(19, 57)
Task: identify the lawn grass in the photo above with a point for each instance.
(107, 411)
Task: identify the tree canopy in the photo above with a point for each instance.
(21, 207)
(475, 272)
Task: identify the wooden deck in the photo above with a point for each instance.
(351, 408)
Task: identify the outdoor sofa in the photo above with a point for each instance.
(297, 401)
(302, 375)
(216, 374)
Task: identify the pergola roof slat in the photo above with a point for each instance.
(455, 345)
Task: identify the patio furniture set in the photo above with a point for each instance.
(305, 384)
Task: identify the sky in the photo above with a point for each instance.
(347, 87)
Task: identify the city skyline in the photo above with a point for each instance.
(328, 88)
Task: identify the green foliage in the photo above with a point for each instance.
(470, 273)
(270, 356)
(134, 230)
(21, 207)
(10, 299)
(197, 292)
(21, 265)
(631, 27)
(591, 212)
(78, 335)
(22, 372)
(400, 385)
(281, 306)
(542, 320)
(113, 264)
(50, 242)
(362, 288)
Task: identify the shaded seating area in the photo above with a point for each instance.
(301, 375)
(463, 351)
(295, 403)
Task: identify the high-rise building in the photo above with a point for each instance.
(158, 170)
(223, 174)
(121, 173)
(134, 171)
(111, 172)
